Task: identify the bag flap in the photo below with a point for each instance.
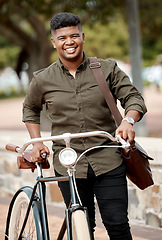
(142, 151)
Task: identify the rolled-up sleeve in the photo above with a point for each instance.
(32, 105)
(123, 90)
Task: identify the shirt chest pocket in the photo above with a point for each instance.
(96, 102)
(60, 102)
(95, 96)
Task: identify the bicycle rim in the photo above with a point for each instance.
(17, 217)
(80, 229)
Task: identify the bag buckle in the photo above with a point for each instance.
(95, 65)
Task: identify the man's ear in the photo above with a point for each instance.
(53, 42)
(83, 36)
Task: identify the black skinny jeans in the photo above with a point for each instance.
(110, 190)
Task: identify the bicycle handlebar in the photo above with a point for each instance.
(67, 137)
(11, 147)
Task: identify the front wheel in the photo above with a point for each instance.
(16, 215)
(80, 229)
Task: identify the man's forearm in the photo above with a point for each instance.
(134, 114)
(39, 147)
(33, 129)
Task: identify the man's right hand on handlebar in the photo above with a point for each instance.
(38, 149)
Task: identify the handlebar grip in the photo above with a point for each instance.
(22, 163)
(12, 147)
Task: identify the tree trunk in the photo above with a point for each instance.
(38, 57)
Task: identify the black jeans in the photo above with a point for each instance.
(110, 190)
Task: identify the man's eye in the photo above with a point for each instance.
(75, 36)
(61, 38)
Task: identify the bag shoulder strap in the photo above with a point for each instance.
(101, 80)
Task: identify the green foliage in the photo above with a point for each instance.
(151, 29)
(11, 94)
(105, 41)
(151, 49)
(8, 54)
(54, 56)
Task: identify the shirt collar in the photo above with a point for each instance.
(81, 67)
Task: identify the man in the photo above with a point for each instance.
(74, 103)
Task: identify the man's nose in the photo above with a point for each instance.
(69, 40)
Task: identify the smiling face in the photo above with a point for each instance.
(69, 43)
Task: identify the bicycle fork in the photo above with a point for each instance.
(74, 206)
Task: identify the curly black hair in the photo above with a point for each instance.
(65, 19)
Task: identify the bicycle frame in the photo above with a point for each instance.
(42, 189)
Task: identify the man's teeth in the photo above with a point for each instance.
(70, 49)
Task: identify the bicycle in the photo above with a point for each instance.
(27, 214)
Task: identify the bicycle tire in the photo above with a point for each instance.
(80, 229)
(16, 214)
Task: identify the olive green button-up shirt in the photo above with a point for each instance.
(77, 105)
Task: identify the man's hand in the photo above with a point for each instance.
(126, 131)
(38, 149)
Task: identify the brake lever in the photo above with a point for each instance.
(124, 143)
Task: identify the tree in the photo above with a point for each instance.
(24, 23)
(25, 28)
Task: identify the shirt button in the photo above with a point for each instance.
(85, 140)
